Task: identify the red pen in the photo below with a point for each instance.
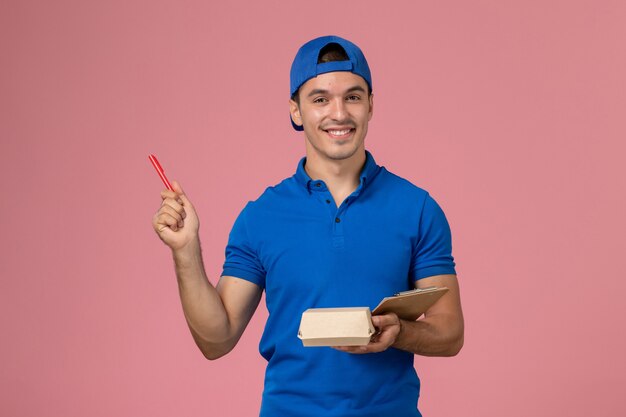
(159, 170)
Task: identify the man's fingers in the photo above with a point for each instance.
(169, 194)
(352, 349)
(177, 188)
(180, 194)
(166, 219)
(172, 212)
(359, 350)
(174, 205)
(387, 326)
(385, 320)
(185, 201)
(386, 337)
(378, 346)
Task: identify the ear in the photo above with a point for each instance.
(294, 110)
(371, 110)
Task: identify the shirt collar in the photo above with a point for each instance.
(369, 171)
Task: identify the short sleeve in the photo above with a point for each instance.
(432, 253)
(242, 260)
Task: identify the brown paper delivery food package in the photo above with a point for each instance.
(352, 326)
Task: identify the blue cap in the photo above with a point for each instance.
(305, 66)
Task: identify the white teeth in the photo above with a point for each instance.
(338, 132)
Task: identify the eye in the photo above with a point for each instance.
(319, 100)
(353, 98)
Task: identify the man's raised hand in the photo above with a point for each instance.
(176, 222)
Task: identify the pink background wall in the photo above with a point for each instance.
(511, 113)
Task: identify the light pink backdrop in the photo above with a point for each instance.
(511, 113)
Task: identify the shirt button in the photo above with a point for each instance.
(337, 220)
(328, 201)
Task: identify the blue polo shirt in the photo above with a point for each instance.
(306, 252)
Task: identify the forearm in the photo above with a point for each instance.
(202, 304)
(438, 335)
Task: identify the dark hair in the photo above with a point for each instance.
(329, 53)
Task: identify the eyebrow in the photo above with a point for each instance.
(349, 90)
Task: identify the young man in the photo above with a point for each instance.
(341, 232)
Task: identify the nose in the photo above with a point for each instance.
(338, 110)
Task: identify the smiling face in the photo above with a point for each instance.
(334, 111)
